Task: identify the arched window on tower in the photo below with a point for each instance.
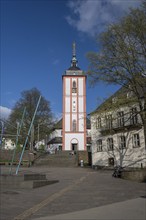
(74, 125)
(74, 87)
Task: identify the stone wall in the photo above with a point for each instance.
(82, 155)
(6, 156)
(135, 175)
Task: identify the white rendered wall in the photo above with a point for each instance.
(81, 103)
(67, 122)
(133, 157)
(74, 109)
(67, 85)
(69, 140)
(74, 117)
(67, 104)
(80, 85)
(56, 133)
(81, 122)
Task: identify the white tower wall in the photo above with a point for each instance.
(74, 112)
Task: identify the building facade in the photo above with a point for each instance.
(117, 133)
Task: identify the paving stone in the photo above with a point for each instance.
(77, 189)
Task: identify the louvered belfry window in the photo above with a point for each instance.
(74, 87)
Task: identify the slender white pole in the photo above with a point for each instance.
(28, 136)
(17, 137)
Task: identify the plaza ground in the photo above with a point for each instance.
(81, 193)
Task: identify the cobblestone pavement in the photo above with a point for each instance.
(77, 189)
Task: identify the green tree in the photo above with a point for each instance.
(43, 120)
(121, 59)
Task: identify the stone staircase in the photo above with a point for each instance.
(60, 159)
(27, 180)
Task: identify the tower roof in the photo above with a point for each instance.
(74, 60)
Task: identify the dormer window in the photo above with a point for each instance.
(74, 87)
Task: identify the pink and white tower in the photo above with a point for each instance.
(74, 107)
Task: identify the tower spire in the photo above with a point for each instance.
(74, 59)
(74, 49)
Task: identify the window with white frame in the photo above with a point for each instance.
(108, 120)
(98, 123)
(110, 144)
(133, 116)
(120, 118)
(122, 142)
(136, 140)
(99, 145)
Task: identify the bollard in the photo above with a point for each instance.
(82, 163)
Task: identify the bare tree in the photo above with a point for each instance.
(43, 117)
(122, 57)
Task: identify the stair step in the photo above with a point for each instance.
(41, 183)
(60, 159)
(30, 181)
(57, 165)
(34, 176)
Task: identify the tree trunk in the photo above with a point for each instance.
(143, 117)
(144, 128)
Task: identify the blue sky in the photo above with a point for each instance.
(36, 45)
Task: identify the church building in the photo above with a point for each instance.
(72, 132)
(74, 107)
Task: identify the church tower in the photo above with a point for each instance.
(74, 107)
